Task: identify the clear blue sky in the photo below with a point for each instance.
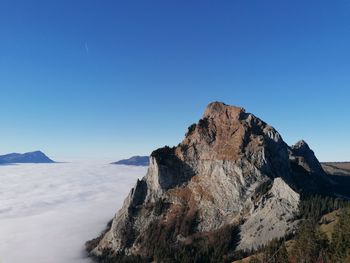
(109, 79)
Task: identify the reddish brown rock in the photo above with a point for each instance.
(232, 171)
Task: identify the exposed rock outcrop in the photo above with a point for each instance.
(308, 173)
(232, 171)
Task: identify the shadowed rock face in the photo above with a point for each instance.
(231, 170)
(308, 173)
(339, 172)
(305, 157)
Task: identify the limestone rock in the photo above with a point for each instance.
(231, 170)
(308, 173)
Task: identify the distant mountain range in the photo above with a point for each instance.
(29, 157)
(135, 160)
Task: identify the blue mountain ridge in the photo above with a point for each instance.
(134, 160)
(29, 157)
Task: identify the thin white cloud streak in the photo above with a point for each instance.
(48, 211)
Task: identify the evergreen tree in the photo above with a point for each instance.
(341, 238)
(311, 245)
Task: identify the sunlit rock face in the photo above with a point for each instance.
(231, 169)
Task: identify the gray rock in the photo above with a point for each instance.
(232, 169)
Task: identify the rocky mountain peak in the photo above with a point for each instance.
(220, 110)
(304, 156)
(232, 170)
(301, 146)
(307, 170)
(228, 133)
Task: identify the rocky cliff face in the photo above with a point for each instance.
(232, 173)
(308, 173)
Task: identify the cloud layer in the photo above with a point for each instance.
(48, 211)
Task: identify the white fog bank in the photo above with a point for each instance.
(48, 211)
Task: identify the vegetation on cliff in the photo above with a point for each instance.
(311, 244)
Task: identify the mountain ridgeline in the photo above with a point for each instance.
(29, 157)
(231, 185)
(134, 160)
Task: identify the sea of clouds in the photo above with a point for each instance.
(48, 211)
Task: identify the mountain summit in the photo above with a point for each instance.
(29, 157)
(134, 160)
(231, 180)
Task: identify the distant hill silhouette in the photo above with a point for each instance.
(29, 157)
(135, 160)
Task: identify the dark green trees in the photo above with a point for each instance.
(311, 245)
(341, 238)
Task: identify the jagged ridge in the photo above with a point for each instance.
(232, 171)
